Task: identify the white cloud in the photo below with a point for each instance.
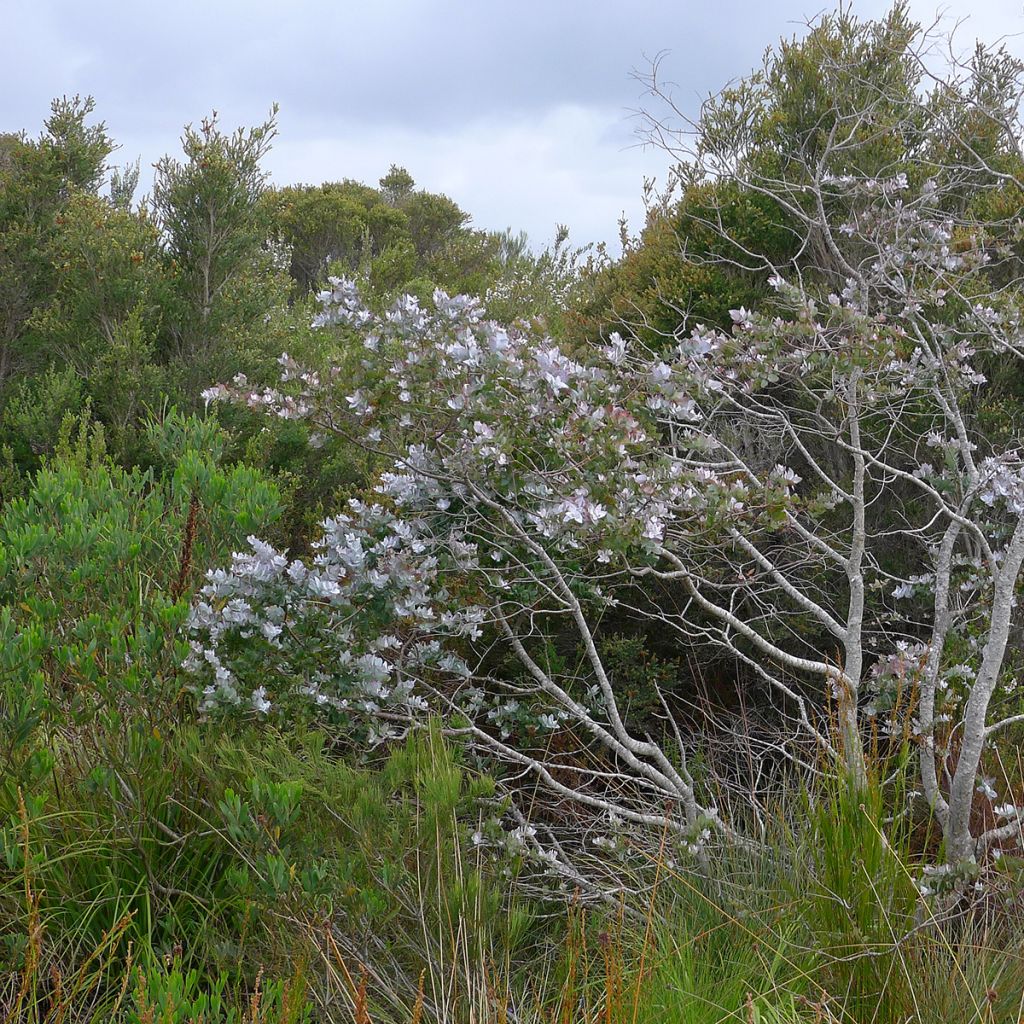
(518, 111)
(530, 173)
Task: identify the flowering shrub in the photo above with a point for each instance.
(529, 490)
(510, 456)
(355, 631)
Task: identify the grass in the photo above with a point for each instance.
(249, 877)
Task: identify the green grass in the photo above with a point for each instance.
(821, 924)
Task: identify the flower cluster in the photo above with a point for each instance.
(1004, 483)
(360, 630)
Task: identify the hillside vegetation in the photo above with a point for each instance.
(402, 625)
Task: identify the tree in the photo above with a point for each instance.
(213, 230)
(37, 180)
(894, 186)
(330, 224)
(104, 316)
(395, 238)
(777, 490)
(674, 276)
(396, 185)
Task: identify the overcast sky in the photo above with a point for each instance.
(519, 110)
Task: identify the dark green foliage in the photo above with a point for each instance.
(135, 823)
(37, 180)
(396, 237)
(680, 273)
(208, 209)
(97, 564)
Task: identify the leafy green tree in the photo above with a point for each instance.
(709, 244)
(344, 223)
(213, 228)
(434, 220)
(76, 152)
(395, 237)
(678, 273)
(38, 178)
(105, 314)
(396, 185)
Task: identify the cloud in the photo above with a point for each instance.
(563, 166)
(518, 111)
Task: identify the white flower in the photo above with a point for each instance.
(786, 476)
(615, 350)
(985, 788)
(215, 394)
(357, 401)
(322, 588)
(270, 630)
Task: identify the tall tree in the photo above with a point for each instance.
(213, 228)
(38, 178)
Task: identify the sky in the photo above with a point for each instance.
(522, 111)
